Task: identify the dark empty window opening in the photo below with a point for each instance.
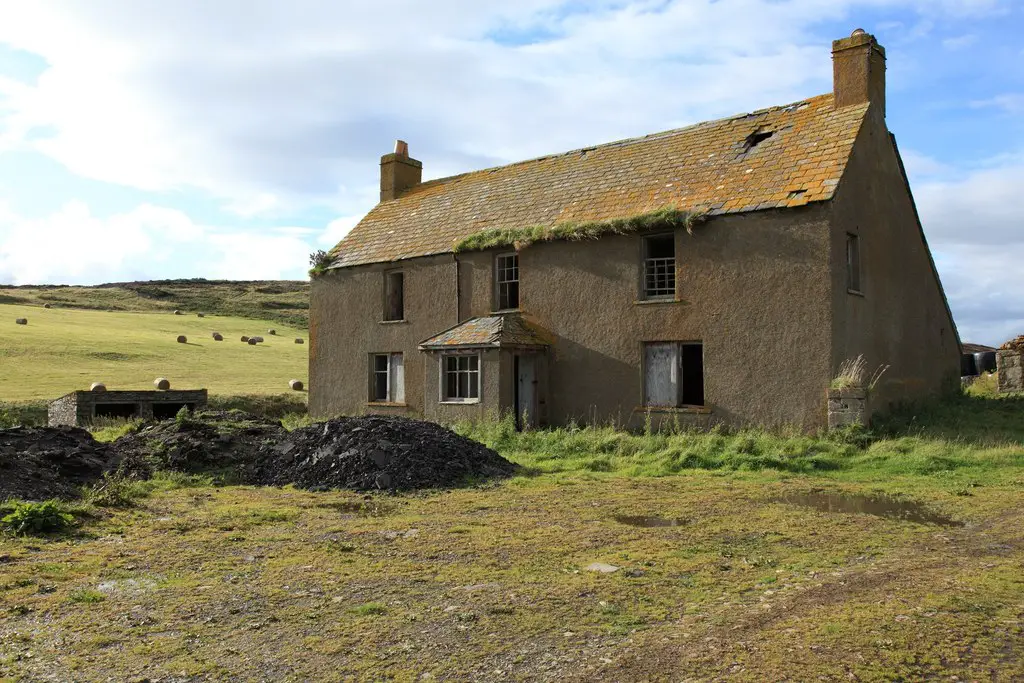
(506, 271)
(673, 374)
(117, 410)
(166, 411)
(387, 378)
(394, 295)
(659, 267)
(756, 138)
(853, 262)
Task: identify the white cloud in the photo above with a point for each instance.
(270, 105)
(960, 42)
(72, 246)
(1012, 103)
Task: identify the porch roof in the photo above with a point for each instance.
(492, 331)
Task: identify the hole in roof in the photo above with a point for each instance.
(756, 138)
(797, 193)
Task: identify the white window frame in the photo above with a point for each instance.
(395, 372)
(443, 378)
(498, 281)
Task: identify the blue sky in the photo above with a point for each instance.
(143, 139)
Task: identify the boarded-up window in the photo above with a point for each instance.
(387, 378)
(460, 379)
(673, 374)
(394, 295)
(506, 271)
(852, 262)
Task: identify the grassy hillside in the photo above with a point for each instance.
(283, 301)
(61, 350)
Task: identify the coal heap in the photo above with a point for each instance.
(379, 452)
(37, 463)
(228, 441)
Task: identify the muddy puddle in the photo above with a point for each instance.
(648, 521)
(879, 506)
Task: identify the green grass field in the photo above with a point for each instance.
(61, 350)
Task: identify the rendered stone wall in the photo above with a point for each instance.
(847, 407)
(1010, 371)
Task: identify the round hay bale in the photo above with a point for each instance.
(162, 383)
(98, 387)
(218, 337)
(214, 333)
(271, 332)
(300, 340)
(177, 313)
(47, 306)
(244, 339)
(182, 339)
(21, 321)
(295, 384)
(252, 341)
(259, 340)
(200, 315)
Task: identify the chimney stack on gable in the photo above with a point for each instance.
(398, 172)
(858, 71)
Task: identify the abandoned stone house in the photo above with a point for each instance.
(718, 272)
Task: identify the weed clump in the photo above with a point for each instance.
(36, 519)
(662, 219)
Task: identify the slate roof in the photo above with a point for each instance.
(505, 330)
(726, 166)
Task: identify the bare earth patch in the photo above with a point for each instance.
(490, 583)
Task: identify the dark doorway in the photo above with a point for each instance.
(166, 411)
(693, 374)
(117, 410)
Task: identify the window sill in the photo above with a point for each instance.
(689, 410)
(501, 311)
(651, 302)
(394, 322)
(468, 402)
(855, 292)
(386, 404)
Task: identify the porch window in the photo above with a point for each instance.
(673, 374)
(506, 271)
(387, 380)
(460, 381)
(659, 267)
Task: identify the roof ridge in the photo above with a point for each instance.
(618, 143)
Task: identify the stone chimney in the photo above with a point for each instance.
(398, 172)
(858, 71)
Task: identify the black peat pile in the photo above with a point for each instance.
(37, 463)
(213, 442)
(377, 452)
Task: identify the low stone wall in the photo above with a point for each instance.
(1010, 369)
(847, 407)
(79, 407)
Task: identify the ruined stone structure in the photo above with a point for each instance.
(82, 407)
(1010, 371)
(726, 270)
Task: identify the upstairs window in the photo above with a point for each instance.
(506, 270)
(394, 295)
(659, 267)
(673, 374)
(460, 380)
(387, 378)
(852, 262)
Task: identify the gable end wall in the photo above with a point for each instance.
(902, 319)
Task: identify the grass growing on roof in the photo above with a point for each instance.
(662, 219)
